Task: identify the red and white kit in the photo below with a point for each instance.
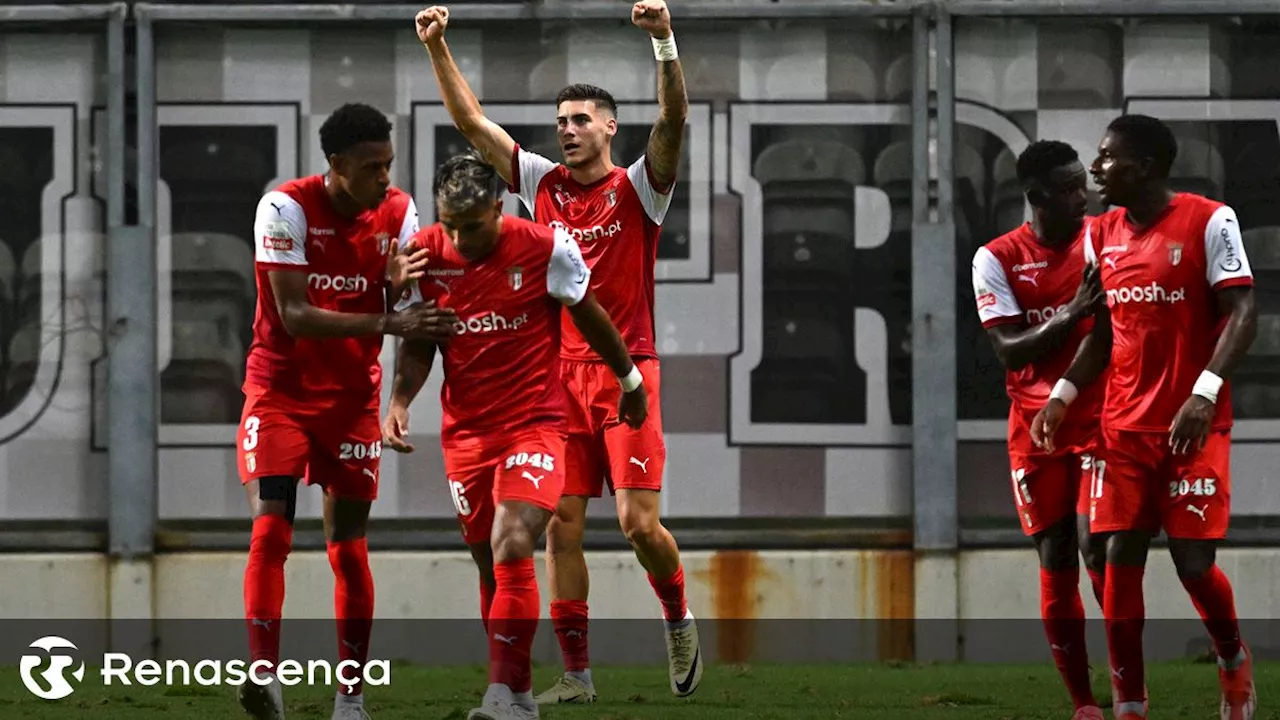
(311, 407)
(1160, 283)
(503, 399)
(617, 221)
(1018, 280)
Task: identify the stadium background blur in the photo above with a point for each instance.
(835, 416)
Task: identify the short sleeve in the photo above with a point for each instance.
(527, 171)
(412, 295)
(655, 201)
(996, 303)
(408, 226)
(567, 275)
(280, 231)
(1226, 264)
(1090, 252)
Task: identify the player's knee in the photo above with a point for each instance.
(1056, 546)
(277, 495)
(511, 540)
(1192, 558)
(640, 526)
(1127, 548)
(564, 535)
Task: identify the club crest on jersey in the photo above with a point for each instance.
(515, 277)
(1175, 253)
(384, 242)
(611, 197)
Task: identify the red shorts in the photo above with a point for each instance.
(1048, 488)
(527, 467)
(601, 448)
(338, 447)
(1144, 486)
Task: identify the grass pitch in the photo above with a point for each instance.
(873, 691)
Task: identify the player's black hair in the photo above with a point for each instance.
(1145, 136)
(465, 181)
(1041, 157)
(352, 124)
(582, 91)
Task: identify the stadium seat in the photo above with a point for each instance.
(1080, 75)
(217, 271)
(899, 79)
(8, 280)
(30, 285)
(216, 175)
(202, 382)
(24, 363)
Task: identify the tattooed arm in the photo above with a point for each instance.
(667, 136)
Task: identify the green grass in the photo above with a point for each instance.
(783, 692)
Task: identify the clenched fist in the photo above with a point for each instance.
(653, 17)
(430, 23)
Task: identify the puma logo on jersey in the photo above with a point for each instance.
(535, 480)
(1110, 261)
(1199, 511)
(370, 473)
(505, 640)
(264, 624)
(644, 466)
(1029, 278)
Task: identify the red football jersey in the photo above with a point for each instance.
(296, 229)
(616, 221)
(502, 368)
(1019, 280)
(1160, 283)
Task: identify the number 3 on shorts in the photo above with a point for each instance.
(251, 424)
(459, 499)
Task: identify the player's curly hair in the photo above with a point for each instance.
(1041, 157)
(1145, 136)
(581, 91)
(352, 124)
(465, 181)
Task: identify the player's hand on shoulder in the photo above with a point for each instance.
(404, 265)
(395, 428)
(423, 321)
(1045, 424)
(633, 407)
(1190, 427)
(653, 17)
(430, 23)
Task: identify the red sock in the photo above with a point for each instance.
(671, 594)
(1125, 613)
(1063, 613)
(512, 624)
(264, 585)
(1212, 595)
(486, 603)
(353, 605)
(1098, 580)
(569, 618)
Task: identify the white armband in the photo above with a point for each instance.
(1065, 391)
(631, 380)
(1207, 386)
(664, 50)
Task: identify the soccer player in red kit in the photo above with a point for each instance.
(615, 214)
(504, 402)
(1036, 310)
(1181, 316)
(327, 255)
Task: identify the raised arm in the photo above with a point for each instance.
(487, 136)
(667, 136)
(280, 235)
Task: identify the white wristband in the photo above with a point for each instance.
(1065, 391)
(665, 49)
(1207, 386)
(631, 380)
